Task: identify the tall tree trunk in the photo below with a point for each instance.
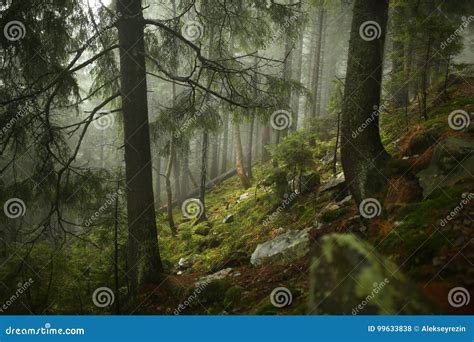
(425, 77)
(116, 251)
(265, 141)
(169, 192)
(176, 177)
(225, 142)
(295, 96)
(215, 156)
(248, 168)
(144, 261)
(244, 179)
(202, 186)
(316, 74)
(184, 175)
(158, 180)
(363, 155)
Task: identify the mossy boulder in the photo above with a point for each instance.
(348, 276)
(278, 179)
(214, 293)
(452, 163)
(202, 229)
(283, 249)
(233, 295)
(309, 182)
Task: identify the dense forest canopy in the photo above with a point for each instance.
(240, 156)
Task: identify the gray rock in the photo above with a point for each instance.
(338, 181)
(243, 197)
(348, 276)
(202, 230)
(215, 276)
(186, 262)
(283, 249)
(309, 182)
(452, 163)
(228, 219)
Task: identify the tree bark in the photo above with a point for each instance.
(225, 142)
(145, 262)
(316, 74)
(169, 192)
(295, 96)
(363, 155)
(202, 189)
(248, 168)
(215, 156)
(244, 179)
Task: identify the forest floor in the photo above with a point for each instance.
(408, 232)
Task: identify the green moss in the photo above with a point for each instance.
(233, 296)
(215, 292)
(397, 167)
(419, 236)
(330, 216)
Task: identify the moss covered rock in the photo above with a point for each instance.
(349, 277)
